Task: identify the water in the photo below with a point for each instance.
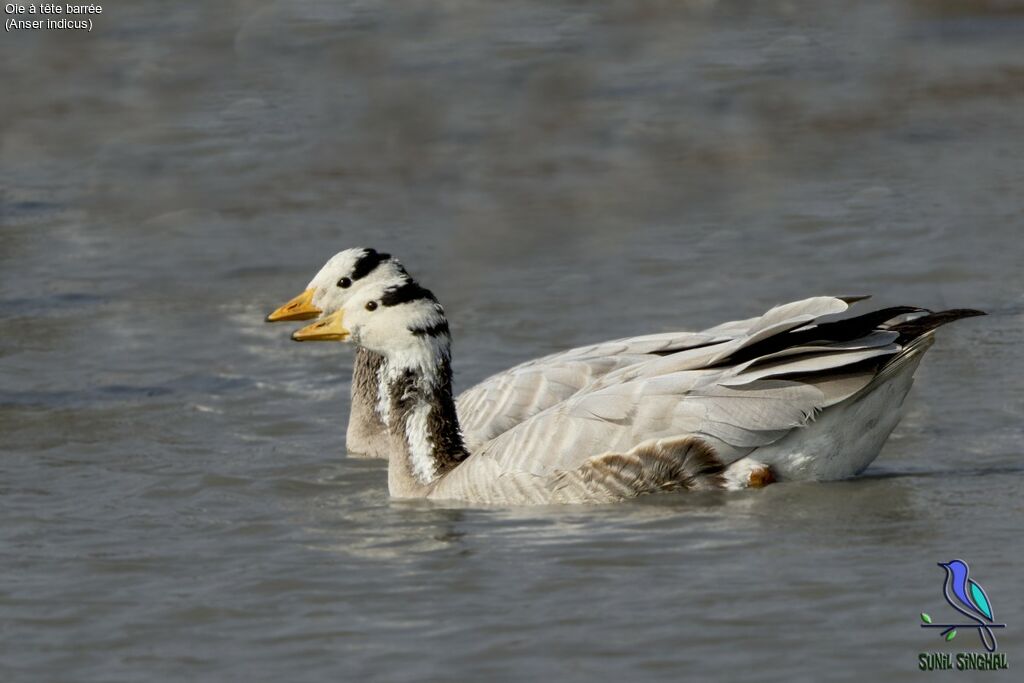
(175, 499)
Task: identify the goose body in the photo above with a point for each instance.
(787, 395)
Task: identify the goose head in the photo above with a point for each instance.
(396, 318)
(404, 324)
(345, 274)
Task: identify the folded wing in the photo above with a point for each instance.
(506, 399)
(736, 394)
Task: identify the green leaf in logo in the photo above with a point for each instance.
(925, 618)
(952, 635)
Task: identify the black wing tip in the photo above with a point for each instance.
(948, 316)
(919, 326)
(854, 298)
(966, 312)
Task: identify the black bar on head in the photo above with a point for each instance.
(410, 291)
(367, 263)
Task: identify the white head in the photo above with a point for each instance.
(394, 317)
(345, 274)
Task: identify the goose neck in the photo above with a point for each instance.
(424, 428)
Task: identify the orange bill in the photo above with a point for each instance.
(327, 329)
(299, 308)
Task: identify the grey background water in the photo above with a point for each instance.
(175, 499)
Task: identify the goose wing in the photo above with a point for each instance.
(508, 398)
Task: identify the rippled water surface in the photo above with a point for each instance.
(175, 500)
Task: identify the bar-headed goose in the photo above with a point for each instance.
(496, 404)
(343, 275)
(791, 396)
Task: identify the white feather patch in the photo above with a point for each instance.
(383, 396)
(421, 446)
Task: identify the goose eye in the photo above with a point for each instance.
(371, 305)
(344, 283)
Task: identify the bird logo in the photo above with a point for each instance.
(967, 597)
